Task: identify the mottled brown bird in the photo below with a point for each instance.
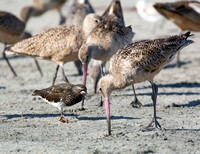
(103, 42)
(59, 44)
(138, 62)
(61, 95)
(185, 14)
(39, 7)
(11, 32)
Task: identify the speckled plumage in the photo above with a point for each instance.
(61, 95)
(59, 44)
(138, 62)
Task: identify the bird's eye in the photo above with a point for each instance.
(100, 89)
(96, 21)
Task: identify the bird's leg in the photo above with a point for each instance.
(38, 66)
(78, 65)
(178, 63)
(64, 76)
(154, 98)
(135, 103)
(102, 74)
(55, 75)
(62, 18)
(63, 119)
(4, 56)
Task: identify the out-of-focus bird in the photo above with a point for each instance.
(76, 15)
(11, 32)
(185, 14)
(39, 7)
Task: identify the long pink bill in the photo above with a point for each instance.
(84, 73)
(107, 105)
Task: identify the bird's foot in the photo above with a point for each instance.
(64, 120)
(100, 104)
(82, 109)
(154, 125)
(136, 104)
(62, 21)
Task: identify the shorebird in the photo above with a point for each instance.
(138, 62)
(115, 13)
(39, 7)
(61, 95)
(59, 44)
(185, 14)
(147, 12)
(11, 32)
(76, 15)
(103, 42)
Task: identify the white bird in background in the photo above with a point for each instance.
(148, 13)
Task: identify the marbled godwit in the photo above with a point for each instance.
(76, 15)
(185, 14)
(139, 62)
(115, 13)
(59, 44)
(39, 7)
(12, 31)
(104, 41)
(65, 94)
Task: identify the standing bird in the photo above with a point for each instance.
(104, 41)
(39, 7)
(11, 32)
(65, 94)
(76, 15)
(138, 62)
(59, 44)
(185, 14)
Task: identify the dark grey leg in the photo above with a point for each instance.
(38, 66)
(154, 98)
(55, 75)
(64, 76)
(78, 65)
(135, 103)
(178, 63)
(62, 18)
(4, 56)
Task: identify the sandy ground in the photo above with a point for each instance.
(39, 131)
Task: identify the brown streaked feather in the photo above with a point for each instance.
(54, 44)
(61, 93)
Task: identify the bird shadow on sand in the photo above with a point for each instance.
(174, 65)
(172, 85)
(11, 116)
(104, 118)
(183, 130)
(190, 104)
(13, 57)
